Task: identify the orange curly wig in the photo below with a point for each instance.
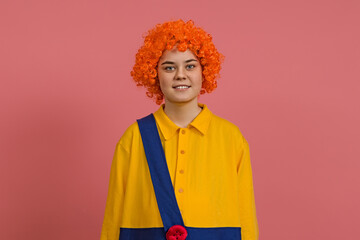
(185, 36)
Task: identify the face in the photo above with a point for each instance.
(180, 76)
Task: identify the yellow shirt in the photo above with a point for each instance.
(209, 165)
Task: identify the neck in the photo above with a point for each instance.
(182, 114)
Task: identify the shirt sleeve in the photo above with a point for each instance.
(249, 224)
(115, 198)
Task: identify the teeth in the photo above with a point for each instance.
(182, 87)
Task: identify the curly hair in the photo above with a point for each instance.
(185, 36)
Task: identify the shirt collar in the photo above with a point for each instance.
(168, 128)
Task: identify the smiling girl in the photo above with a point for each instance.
(182, 172)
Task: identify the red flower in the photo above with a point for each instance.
(176, 232)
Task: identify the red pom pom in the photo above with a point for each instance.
(176, 232)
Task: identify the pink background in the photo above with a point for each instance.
(290, 81)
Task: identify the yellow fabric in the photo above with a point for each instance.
(209, 165)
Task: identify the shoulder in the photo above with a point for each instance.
(228, 128)
(131, 137)
(131, 133)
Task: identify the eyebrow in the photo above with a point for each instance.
(187, 61)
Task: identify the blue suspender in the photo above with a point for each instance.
(164, 191)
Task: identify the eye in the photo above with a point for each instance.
(169, 68)
(191, 66)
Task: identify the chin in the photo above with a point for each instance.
(187, 100)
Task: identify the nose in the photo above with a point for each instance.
(180, 74)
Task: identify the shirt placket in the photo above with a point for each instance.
(180, 183)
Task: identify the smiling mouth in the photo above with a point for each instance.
(181, 87)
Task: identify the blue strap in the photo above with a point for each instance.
(164, 191)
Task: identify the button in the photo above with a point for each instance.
(181, 171)
(181, 190)
(183, 131)
(182, 152)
